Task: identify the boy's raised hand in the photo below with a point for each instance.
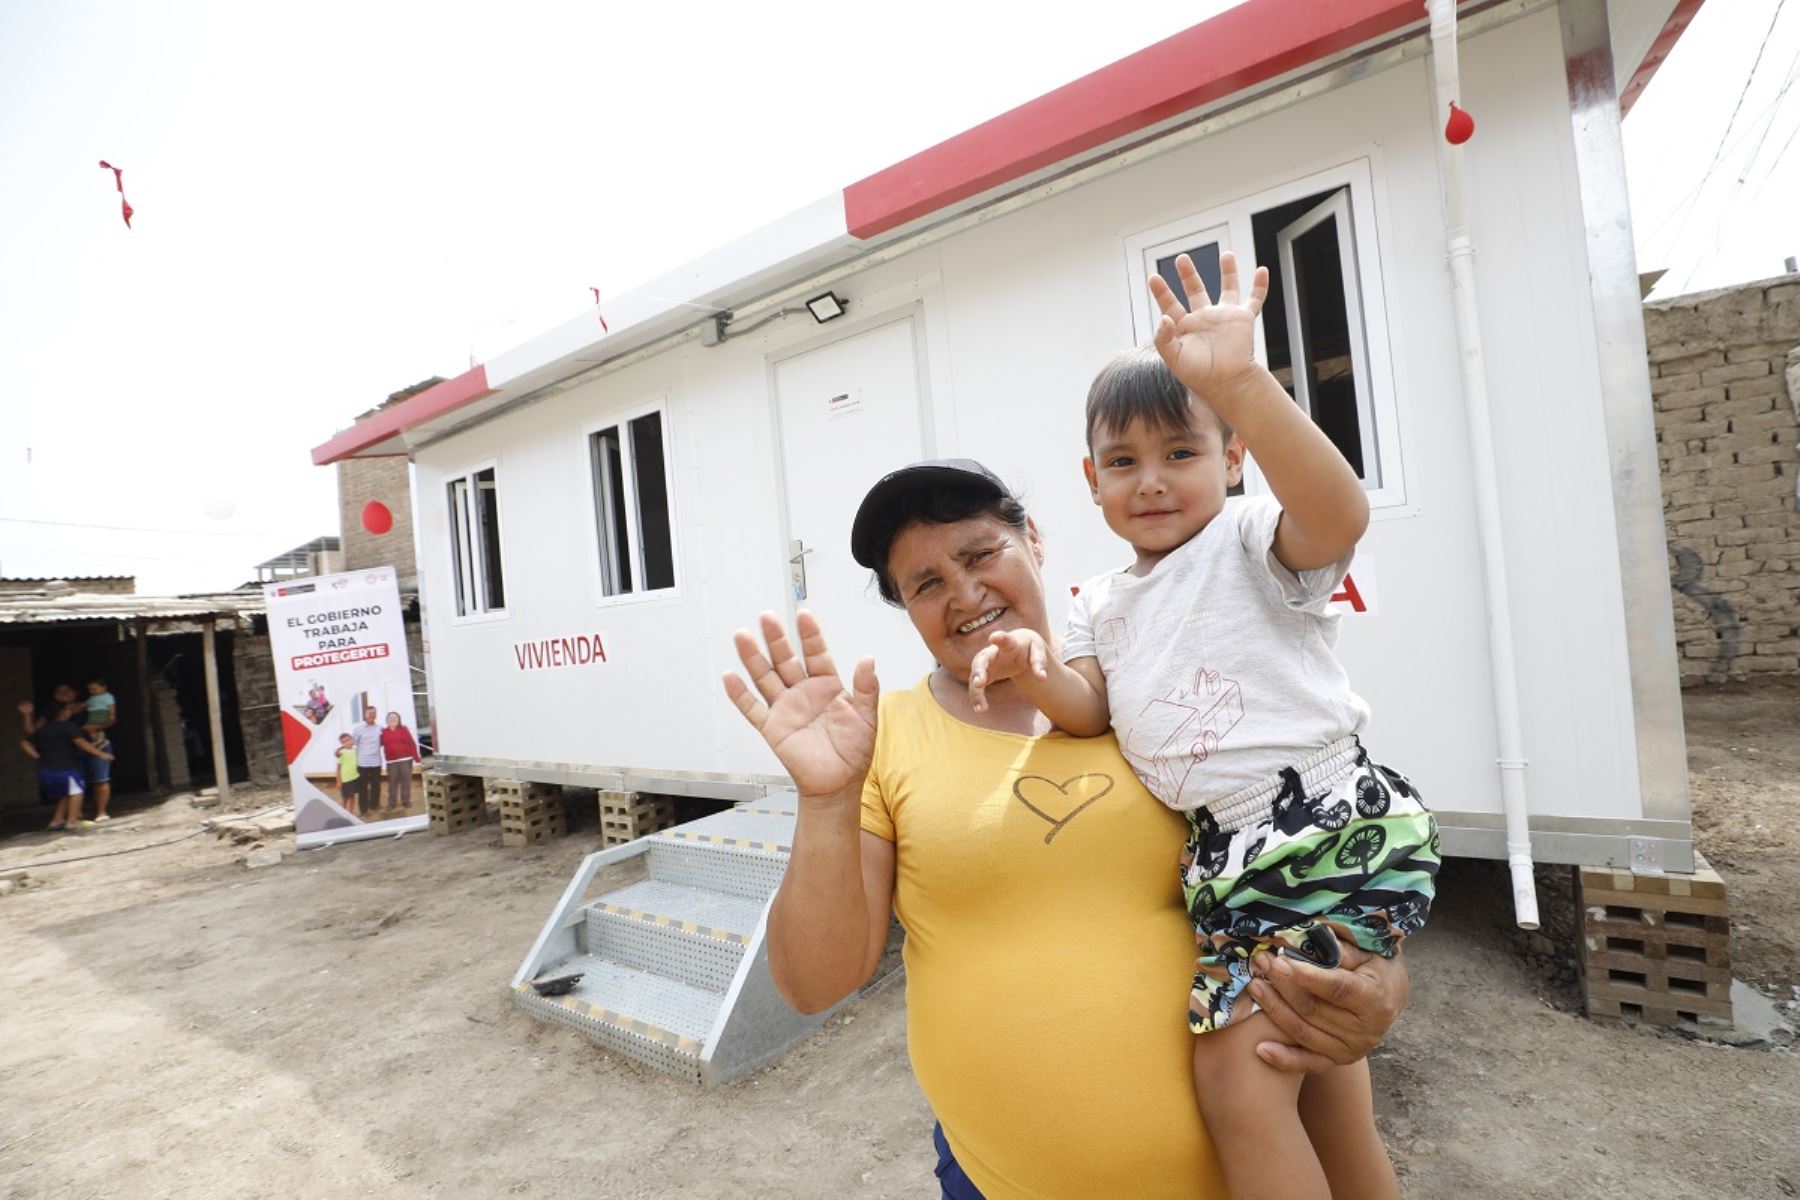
(1208, 346)
(1006, 656)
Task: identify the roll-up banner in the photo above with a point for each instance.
(346, 695)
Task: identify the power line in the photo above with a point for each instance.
(1679, 206)
(1735, 109)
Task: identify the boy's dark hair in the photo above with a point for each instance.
(99, 680)
(938, 506)
(1138, 385)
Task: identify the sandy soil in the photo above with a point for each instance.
(175, 1024)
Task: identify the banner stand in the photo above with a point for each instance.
(381, 829)
(342, 676)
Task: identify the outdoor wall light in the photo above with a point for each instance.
(828, 307)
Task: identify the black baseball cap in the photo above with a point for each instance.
(876, 518)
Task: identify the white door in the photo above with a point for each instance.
(848, 414)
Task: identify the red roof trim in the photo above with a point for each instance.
(1237, 49)
(428, 405)
(1665, 41)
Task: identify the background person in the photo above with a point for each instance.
(400, 751)
(348, 791)
(367, 736)
(102, 715)
(1029, 868)
(57, 746)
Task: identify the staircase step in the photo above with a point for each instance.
(661, 1022)
(691, 934)
(751, 827)
(715, 865)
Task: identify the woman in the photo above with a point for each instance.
(58, 747)
(1033, 874)
(399, 752)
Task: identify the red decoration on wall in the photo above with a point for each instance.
(597, 312)
(1460, 127)
(377, 518)
(119, 181)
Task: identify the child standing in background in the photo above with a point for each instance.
(102, 715)
(347, 773)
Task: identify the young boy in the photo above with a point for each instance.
(1210, 656)
(349, 787)
(102, 715)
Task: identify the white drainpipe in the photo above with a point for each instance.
(1487, 486)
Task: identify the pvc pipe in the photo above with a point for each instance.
(1461, 254)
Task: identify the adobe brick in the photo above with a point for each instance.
(1662, 382)
(1774, 385)
(1770, 422)
(1731, 371)
(1780, 452)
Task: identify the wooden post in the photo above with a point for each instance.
(156, 766)
(214, 716)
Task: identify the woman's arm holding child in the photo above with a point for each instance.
(1073, 694)
(1324, 509)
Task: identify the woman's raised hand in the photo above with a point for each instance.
(823, 735)
(1208, 346)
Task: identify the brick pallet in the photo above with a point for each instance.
(627, 816)
(1655, 948)
(530, 813)
(454, 802)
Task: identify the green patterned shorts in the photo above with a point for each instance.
(1356, 852)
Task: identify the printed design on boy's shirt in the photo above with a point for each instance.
(1112, 641)
(1176, 733)
(1045, 797)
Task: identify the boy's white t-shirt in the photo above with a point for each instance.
(1219, 664)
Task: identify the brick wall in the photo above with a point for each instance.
(259, 708)
(1725, 374)
(361, 480)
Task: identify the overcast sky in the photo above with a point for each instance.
(334, 201)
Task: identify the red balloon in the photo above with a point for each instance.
(1460, 127)
(376, 518)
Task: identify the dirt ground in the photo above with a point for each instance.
(174, 1024)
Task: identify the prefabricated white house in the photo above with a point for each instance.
(598, 509)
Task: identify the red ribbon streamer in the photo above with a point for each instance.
(119, 180)
(602, 316)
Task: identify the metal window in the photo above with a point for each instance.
(632, 513)
(475, 543)
(1326, 338)
(1324, 331)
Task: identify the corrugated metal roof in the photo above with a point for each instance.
(44, 609)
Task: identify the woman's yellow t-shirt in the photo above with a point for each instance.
(1048, 958)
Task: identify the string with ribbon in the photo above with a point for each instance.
(119, 180)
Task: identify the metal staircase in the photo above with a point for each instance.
(674, 971)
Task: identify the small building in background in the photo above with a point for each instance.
(151, 651)
(321, 556)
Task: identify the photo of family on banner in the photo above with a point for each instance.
(347, 718)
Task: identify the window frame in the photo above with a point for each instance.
(1234, 217)
(465, 537)
(621, 420)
